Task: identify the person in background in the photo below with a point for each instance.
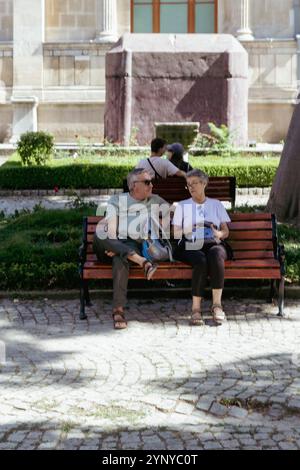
(175, 154)
(156, 166)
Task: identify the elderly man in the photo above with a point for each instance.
(120, 237)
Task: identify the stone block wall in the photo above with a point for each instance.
(70, 20)
(6, 66)
(6, 20)
(68, 122)
(74, 66)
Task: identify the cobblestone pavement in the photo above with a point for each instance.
(71, 384)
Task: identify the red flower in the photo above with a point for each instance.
(56, 189)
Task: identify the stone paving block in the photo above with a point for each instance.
(231, 444)
(184, 408)
(204, 404)
(218, 410)
(287, 446)
(212, 445)
(17, 436)
(294, 403)
(237, 412)
(8, 445)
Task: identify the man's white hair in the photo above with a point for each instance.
(131, 177)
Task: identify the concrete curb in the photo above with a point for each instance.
(104, 192)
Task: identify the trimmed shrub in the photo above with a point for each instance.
(35, 147)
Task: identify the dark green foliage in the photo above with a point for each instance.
(40, 250)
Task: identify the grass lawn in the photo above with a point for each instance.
(62, 159)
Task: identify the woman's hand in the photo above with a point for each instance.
(218, 234)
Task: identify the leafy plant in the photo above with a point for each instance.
(133, 142)
(35, 147)
(218, 141)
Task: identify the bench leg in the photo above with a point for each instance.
(281, 297)
(82, 315)
(88, 302)
(272, 291)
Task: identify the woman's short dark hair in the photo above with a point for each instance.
(157, 144)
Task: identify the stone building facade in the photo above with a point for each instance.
(52, 58)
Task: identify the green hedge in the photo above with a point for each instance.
(251, 173)
(72, 176)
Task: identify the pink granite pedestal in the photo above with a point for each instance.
(175, 78)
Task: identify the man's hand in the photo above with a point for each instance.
(111, 254)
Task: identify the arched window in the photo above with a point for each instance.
(174, 16)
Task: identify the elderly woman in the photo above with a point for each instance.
(200, 225)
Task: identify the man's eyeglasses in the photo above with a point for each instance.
(146, 182)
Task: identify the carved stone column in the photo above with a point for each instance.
(245, 33)
(107, 21)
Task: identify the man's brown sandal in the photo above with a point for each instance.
(149, 269)
(196, 318)
(218, 313)
(119, 320)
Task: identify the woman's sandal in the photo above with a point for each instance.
(149, 269)
(218, 313)
(119, 320)
(196, 318)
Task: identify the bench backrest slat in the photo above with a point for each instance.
(173, 189)
(251, 235)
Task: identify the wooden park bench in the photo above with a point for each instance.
(174, 189)
(253, 237)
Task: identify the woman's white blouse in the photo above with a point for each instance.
(188, 213)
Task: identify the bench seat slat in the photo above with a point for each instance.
(265, 263)
(236, 246)
(185, 273)
(237, 255)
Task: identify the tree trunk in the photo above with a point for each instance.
(284, 199)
